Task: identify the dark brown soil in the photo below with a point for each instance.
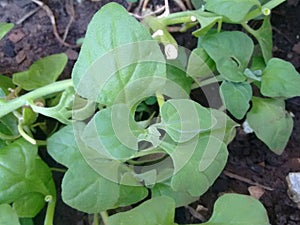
(248, 158)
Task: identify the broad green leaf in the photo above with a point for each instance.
(22, 173)
(114, 54)
(9, 127)
(8, 215)
(159, 210)
(200, 64)
(5, 28)
(234, 10)
(264, 38)
(113, 132)
(29, 205)
(180, 198)
(5, 84)
(235, 209)
(200, 171)
(183, 119)
(231, 51)
(271, 122)
(84, 188)
(236, 97)
(42, 72)
(280, 79)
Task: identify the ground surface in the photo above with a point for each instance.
(249, 158)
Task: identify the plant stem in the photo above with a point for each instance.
(58, 170)
(50, 212)
(104, 217)
(257, 12)
(16, 103)
(96, 220)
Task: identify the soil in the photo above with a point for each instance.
(248, 157)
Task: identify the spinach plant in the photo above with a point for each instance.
(124, 125)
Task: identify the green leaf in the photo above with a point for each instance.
(5, 84)
(264, 38)
(5, 28)
(24, 175)
(8, 215)
(26, 221)
(42, 72)
(200, 64)
(84, 188)
(9, 127)
(183, 119)
(280, 79)
(236, 97)
(271, 122)
(234, 10)
(196, 171)
(235, 209)
(29, 116)
(231, 51)
(114, 54)
(29, 205)
(159, 210)
(113, 132)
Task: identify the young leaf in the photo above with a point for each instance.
(183, 119)
(236, 97)
(270, 122)
(231, 51)
(280, 79)
(42, 72)
(8, 215)
(235, 209)
(5, 28)
(115, 53)
(234, 10)
(83, 187)
(159, 210)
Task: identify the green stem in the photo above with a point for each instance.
(104, 217)
(257, 12)
(249, 29)
(96, 220)
(50, 210)
(16, 103)
(58, 170)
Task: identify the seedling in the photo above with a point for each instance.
(115, 158)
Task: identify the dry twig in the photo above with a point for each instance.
(52, 19)
(246, 180)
